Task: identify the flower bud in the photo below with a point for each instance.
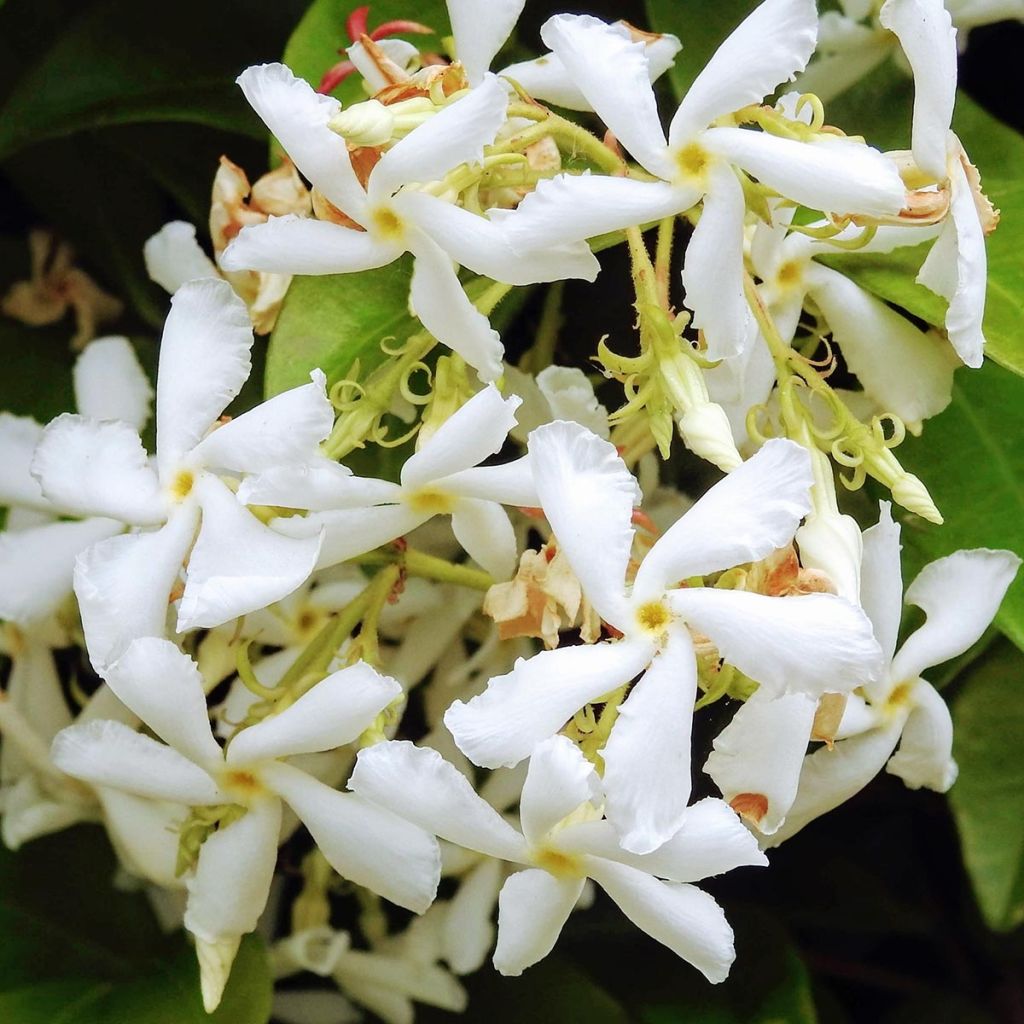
(706, 432)
(369, 123)
(909, 492)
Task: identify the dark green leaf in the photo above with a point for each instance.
(988, 798)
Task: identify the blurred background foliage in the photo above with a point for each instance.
(900, 908)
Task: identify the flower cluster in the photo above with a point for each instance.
(260, 618)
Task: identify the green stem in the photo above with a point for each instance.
(418, 563)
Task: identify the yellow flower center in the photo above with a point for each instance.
(387, 223)
(692, 160)
(654, 616)
(181, 485)
(789, 274)
(426, 499)
(559, 864)
(242, 784)
(900, 696)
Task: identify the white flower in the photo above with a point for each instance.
(357, 514)
(96, 467)
(769, 47)
(787, 644)
(561, 845)
(390, 218)
(556, 393)
(761, 752)
(229, 887)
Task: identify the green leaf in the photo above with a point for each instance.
(317, 43)
(971, 459)
(988, 798)
(115, 64)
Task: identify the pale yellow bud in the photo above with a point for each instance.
(706, 432)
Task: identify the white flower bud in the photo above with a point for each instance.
(909, 492)
(706, 432)
(369, 123)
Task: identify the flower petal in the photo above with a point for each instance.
(105, 753)
(589, 48)
(510, 483)
(569, 207)
(679, 916)
(830, 174)
(485, 533)
(482, 245)
(418, 785)
(229, 889)
(743, 518)
(446, 311)
(906, 371)
(237, 564)
(298, 117)
(299, 245)
(960, 594)
(881, 580)
(37, 566)
(173, 256)
(533, 907)
(757, 757)
(317, 485)
(768, 48)
(925, 31)
(712, 841)
(480, 33)
(124, 585)
(162, 685)
(19, 436)
(331, 714)
(467, 931)
(110, 383)
(365, 843)
(811, 643)
(647, 757)
(204, 361)
(475, 431)
(144, 833)
(588, 497)
(455, 135)
(502, 725)
(558, 781)
(98, 468)
(925, 756)
(287, 428)
(713, 267)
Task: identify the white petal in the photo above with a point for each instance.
(588, 497)
(444, 309)
(713, 267)
(98, 468)
(830, 777)
(768, 48)
(237, 564)
(331, 714)
(403, 974)
(317, 485)
(811, 643)
(647, 757)
(124, 585)
(417, 784)
(510, 483)
(19, 436)
(612, 73)
(881, 580)
(712, 841)
(144, 833)
(477, 430)
(204, 361)
(482, 245)
(398, 51)
(365, 843)
(37, 565)
(287, 428)
(533, 906)
(759, 754)
(106, 753)
(925, 756)
(520, 709)
(467, 930)
(173, 256)
(743, 518)
(485, 532)
(558, 781)
(925, 31)
(163, 687)
(229, 889)
(960, 594)
(569, 207)
(456, 135)
(905, 370)
(300, 245)
(298, 117)
(351, 532)
(681, 917)
(480, 31)
(110, 383)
